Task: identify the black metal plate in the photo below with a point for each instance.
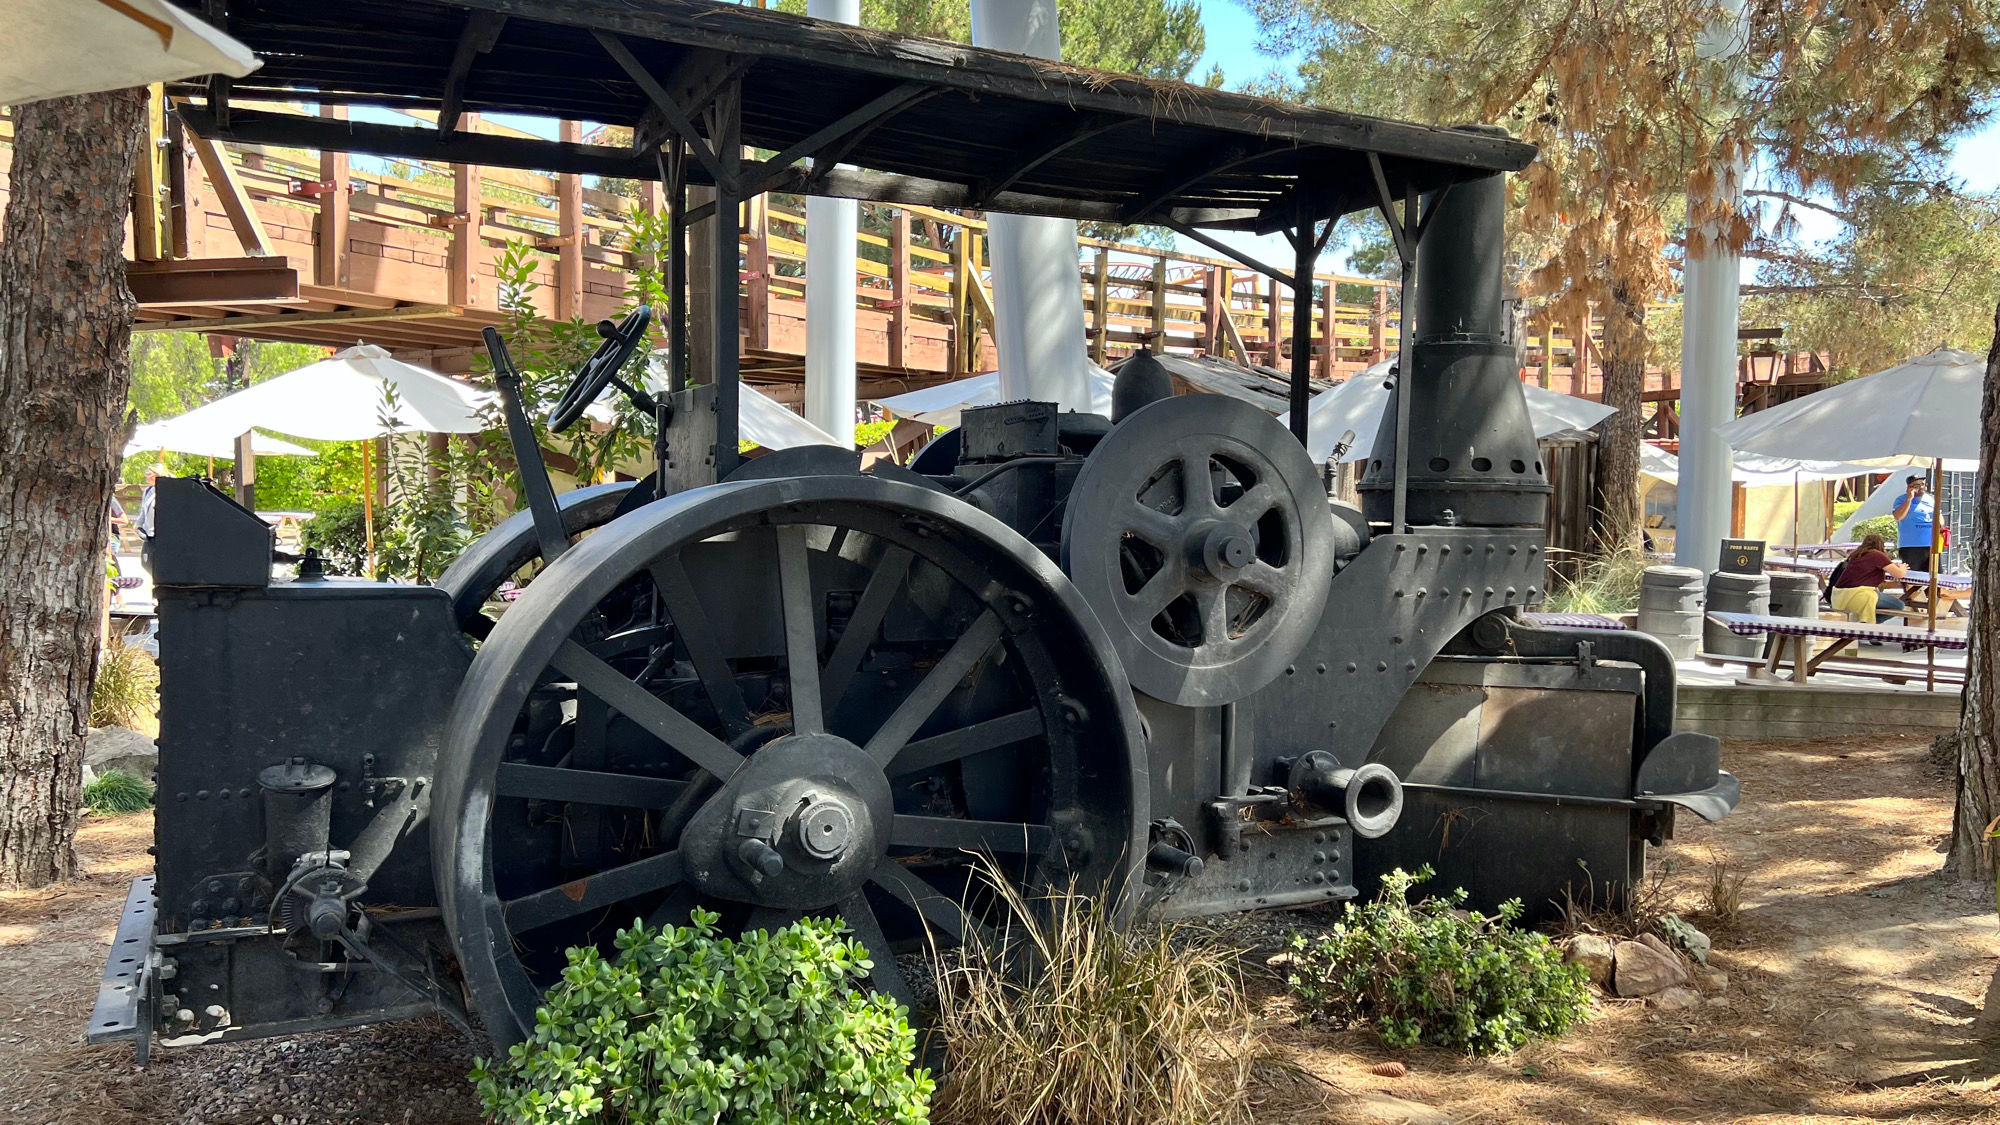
(116, 1015)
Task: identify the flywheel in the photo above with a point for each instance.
(817, 695)
(1199, 532)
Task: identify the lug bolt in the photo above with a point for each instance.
(761, 857)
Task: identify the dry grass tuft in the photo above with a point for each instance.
(1722, 898)
(126, 691)
(1144, 1026)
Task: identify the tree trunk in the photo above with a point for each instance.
(1615, 510)
(65, 327)
(1979, 712)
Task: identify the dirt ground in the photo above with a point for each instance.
(1853, 976)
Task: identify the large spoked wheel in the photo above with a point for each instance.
(476, 575)
(819, 695)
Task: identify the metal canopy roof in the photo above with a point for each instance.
(908, 120)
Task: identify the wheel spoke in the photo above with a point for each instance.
(801, 637)
(936, 910)
(594, 892)
(589, 787)
(704, 648)
(931, 690)
(1263, 578)
(1154, 526)
(865, 624)
(929, 753)
(1214, 604)
(1255, 501)
(647, 710)
(886, 976)
(971, 835)
(1160, 590)
(1197, 486)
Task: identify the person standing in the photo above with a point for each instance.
(143, 522)
(1916, 513)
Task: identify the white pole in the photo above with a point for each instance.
(1709, 305)
(830, 231)
(1037, 288)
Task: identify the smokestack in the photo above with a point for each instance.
(1473, 460)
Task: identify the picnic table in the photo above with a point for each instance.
(1575, 620)
(1793, 636)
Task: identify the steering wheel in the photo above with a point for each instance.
(602, 368)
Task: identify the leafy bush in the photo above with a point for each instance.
(126, 690)
(1885, 526)
(115, 791)
(1111, 1027)
(1436, 973)
(688, 1025)
(340, 534)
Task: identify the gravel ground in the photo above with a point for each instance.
(389, 1074)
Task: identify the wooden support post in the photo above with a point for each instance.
(1737, 511)
(1100, 306)
(900, 295)
(1211, 311)
(1378, 326)
(1548, 354)
(1274, 325)
(757, 274)
(1579, 360)
(1159, 343)
(569, 229)
(1329, 341)
(152, 236)
(330, 255)
(468, 245)
(961, 305)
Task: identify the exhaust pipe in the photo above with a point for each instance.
(1370, 796)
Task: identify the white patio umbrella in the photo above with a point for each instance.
(1923, 407)
(354, 395)
(345, 397)
(61, 47)
(1357, 405)
(941, 405)
(200, 440)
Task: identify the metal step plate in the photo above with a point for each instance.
(119, 994)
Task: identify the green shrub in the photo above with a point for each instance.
(116, 791)
(689, 1025)
(1885, 526)
(1436, 973)
(126, 692)
(1608, 585)
(340, 533)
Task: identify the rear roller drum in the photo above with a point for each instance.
(814, 696)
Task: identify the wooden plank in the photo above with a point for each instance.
(151, 235)
(757, 274)
(222, 281)
(242, 324)
(243, 217)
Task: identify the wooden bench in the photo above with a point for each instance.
(1793, 637)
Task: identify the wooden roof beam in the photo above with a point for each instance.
(281, 321)
(482, 31)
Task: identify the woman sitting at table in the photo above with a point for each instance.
(1857, 585)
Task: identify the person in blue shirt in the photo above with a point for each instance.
(1915, 512)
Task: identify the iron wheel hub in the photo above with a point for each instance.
(801, 826)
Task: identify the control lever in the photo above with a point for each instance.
(527, 451)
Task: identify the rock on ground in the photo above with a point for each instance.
(1642, 970)
(120, 748)
(1594, 953)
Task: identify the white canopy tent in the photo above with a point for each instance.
(1757, 472)
(941, 405)
(168, 436)
(62, 47)
(1357, 405)
(1882, 501)
(761, 419)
